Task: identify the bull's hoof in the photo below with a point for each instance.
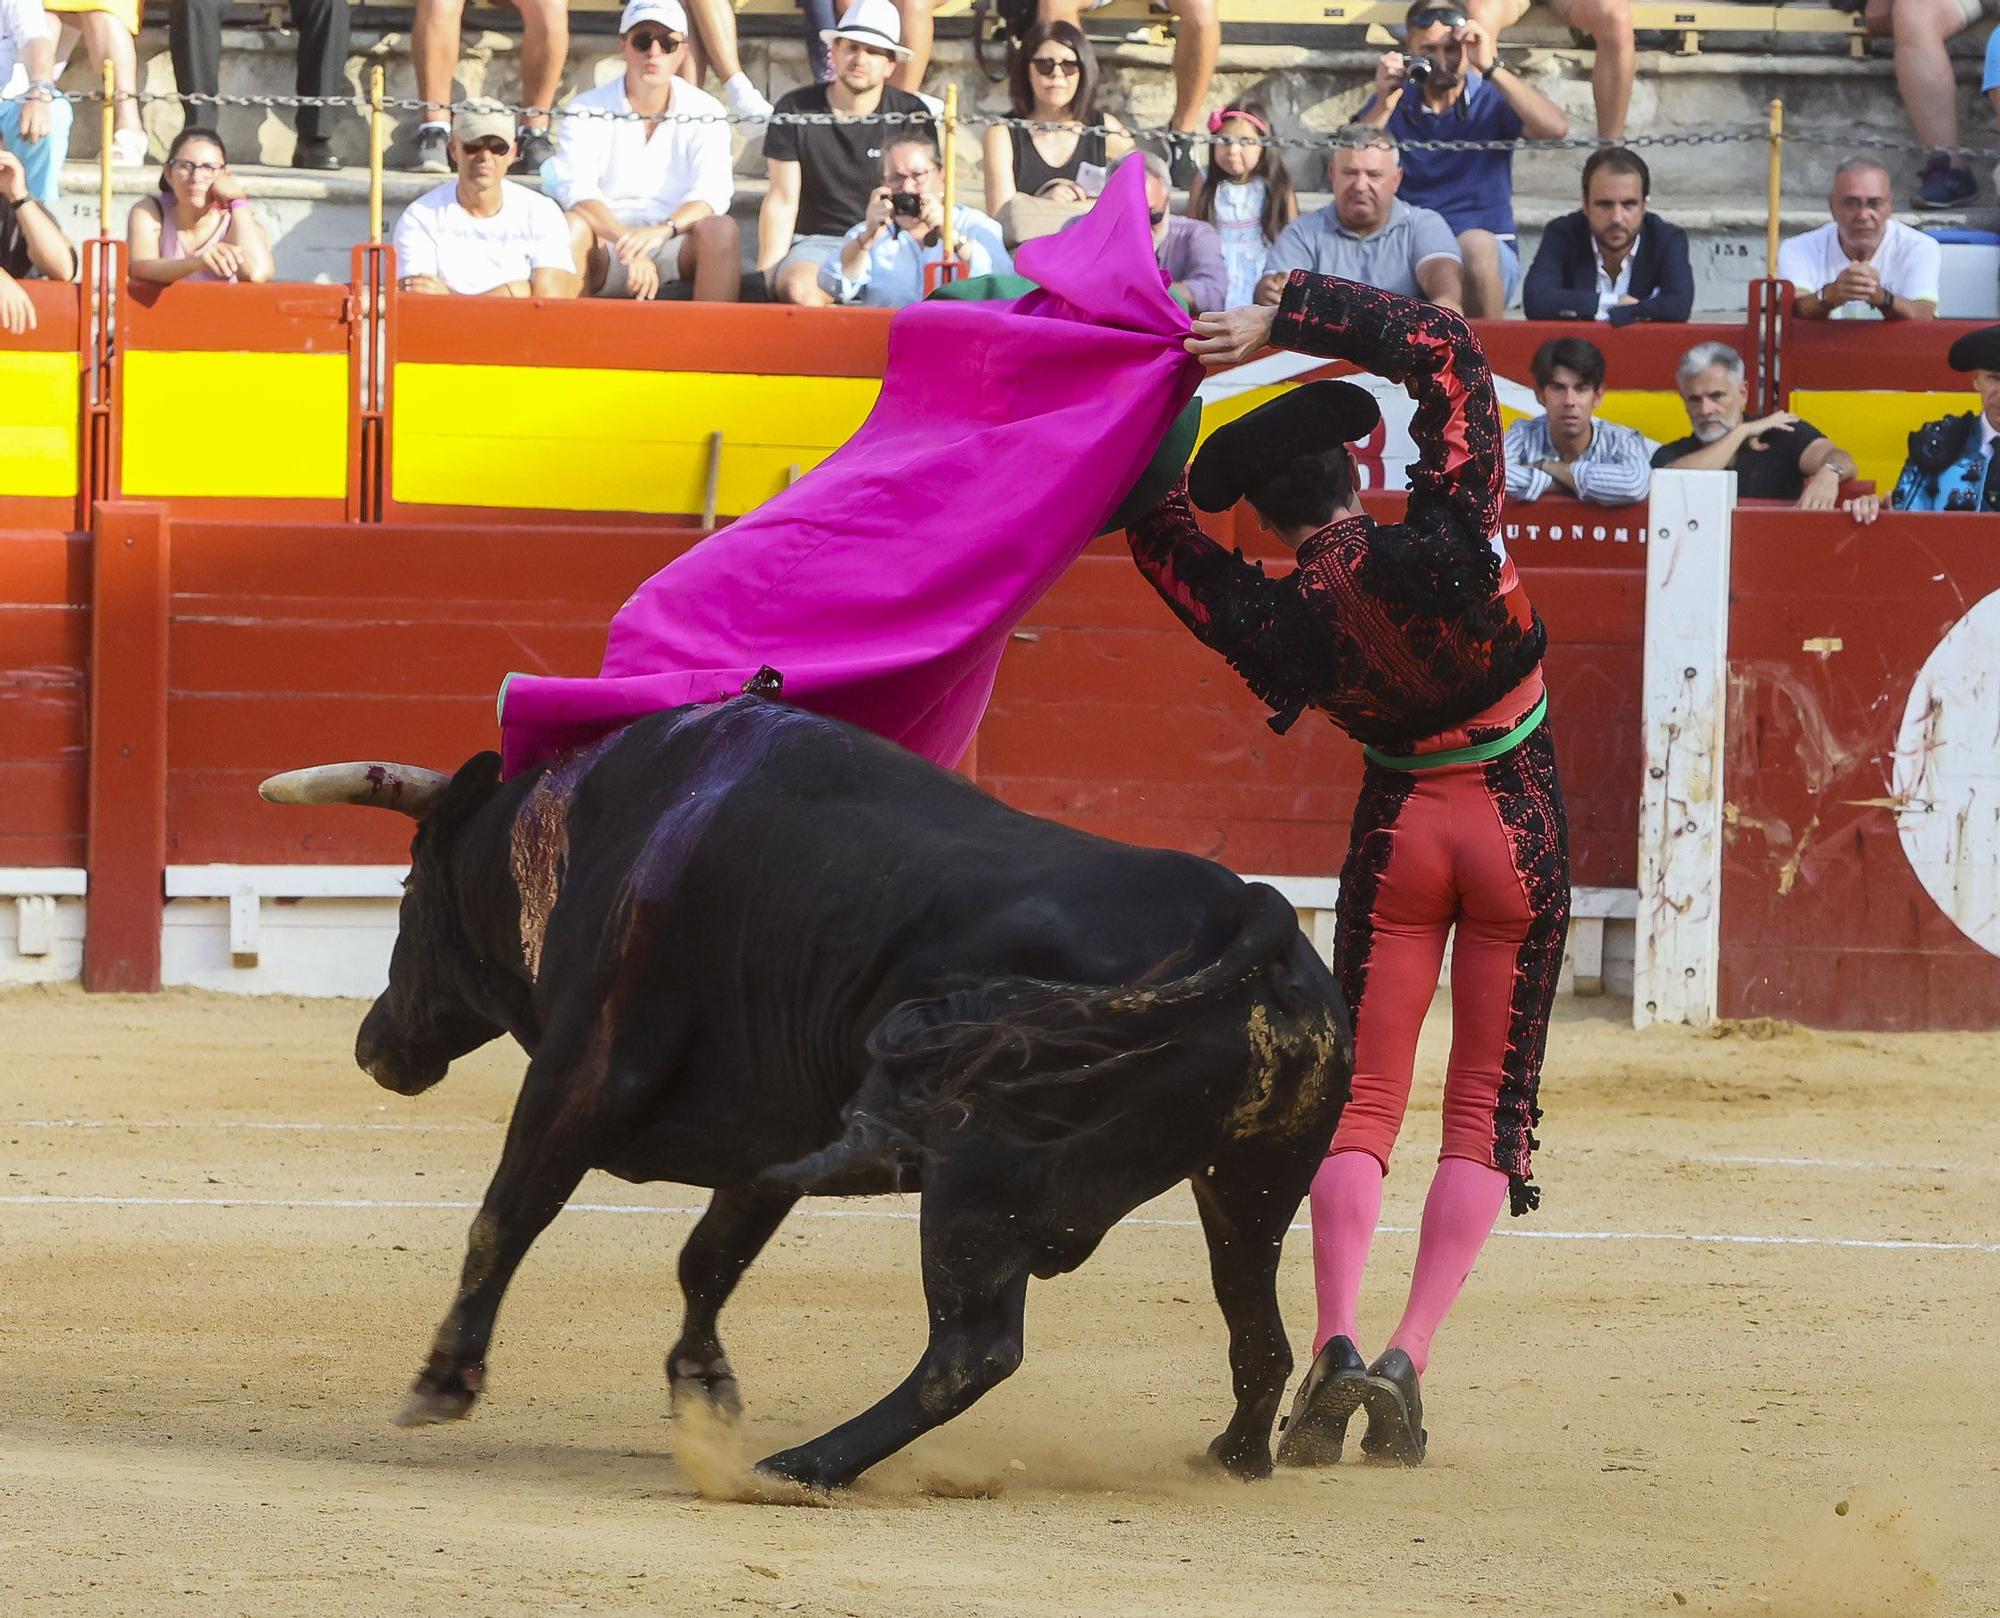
(440, 1395)
(1243, 1458)
(800, 1469)
(714, 1387)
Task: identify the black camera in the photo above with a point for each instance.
(1418, 70)
(906, 204)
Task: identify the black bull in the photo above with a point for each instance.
(753, 949)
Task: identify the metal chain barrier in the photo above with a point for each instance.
(1744, 134)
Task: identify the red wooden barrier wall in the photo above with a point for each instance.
(1823, 919)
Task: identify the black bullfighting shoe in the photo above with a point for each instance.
(1335, 1387)
(1395, 1435)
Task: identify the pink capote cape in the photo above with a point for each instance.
(883, 585)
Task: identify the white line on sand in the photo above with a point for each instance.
(1695, 1238)
(304, 1127)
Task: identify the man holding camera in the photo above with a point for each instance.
(884, 260)
(1452, 86)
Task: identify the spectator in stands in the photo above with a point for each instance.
(1368, 233)
(31, 244)
(1197, 41)
(200, 227)
(1464, 93)
(1775, 457)
(647, 197)
(194, 36)
(1567, 447)
(1188, 249)
(434, 44)
(34, 120)
(914, 18)
(481, 235)
(1052, 79)
(883, 259)
(1863, 264)
(109, 30)
(1951, 463)
(822, 174)
(1611, 260)
(1929, 88)
(1246, 195)
(712, 46)
(1609, 25)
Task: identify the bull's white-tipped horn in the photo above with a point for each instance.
(407, 788)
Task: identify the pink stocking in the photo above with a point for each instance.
(1464, 1200)
(1346, 1204)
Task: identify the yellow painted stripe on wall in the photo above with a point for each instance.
(264, 426)
(38, 423)
(1875, 428)
(595, 440)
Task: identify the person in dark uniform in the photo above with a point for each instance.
(1774, 457)
(1951, 463)
(194, 38)
(1418, 640)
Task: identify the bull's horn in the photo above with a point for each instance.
(407, 788)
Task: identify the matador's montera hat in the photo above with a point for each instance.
(1250, 451)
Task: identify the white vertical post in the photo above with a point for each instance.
(1686, 688)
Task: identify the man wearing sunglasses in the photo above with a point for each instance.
(823, 174)
(1452, 86)
(883, 261)
(481, 235)
(642, 170)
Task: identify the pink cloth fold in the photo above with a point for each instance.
(883, 585)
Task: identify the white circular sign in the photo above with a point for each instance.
(1947, 775)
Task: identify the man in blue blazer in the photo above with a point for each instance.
(1611, 260)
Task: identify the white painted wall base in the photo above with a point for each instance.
(250, 930)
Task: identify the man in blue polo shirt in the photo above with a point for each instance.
(1451, 86)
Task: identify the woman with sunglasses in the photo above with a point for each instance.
(200, 227)
(1053, 80)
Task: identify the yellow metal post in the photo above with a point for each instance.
(1777, 173)
(107, 124)
(950, 167)
(375, 154)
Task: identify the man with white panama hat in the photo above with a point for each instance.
(823, 174)
(643, 171)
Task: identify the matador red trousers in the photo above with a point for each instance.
(1482, 849)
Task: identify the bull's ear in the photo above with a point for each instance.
(474, 783)
(407, 788)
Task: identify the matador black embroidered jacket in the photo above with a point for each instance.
(1398, 631)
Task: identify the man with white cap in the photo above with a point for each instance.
(642, 169)
(823, 174)
(481, 234)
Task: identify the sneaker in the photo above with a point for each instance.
(1395, 1435)
(314, 152)
(1943, 184)
(1180, 160)
(536, 147)
(1335, 1387)
(433, 150)
(744, 100)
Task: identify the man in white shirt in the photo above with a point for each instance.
(1863, 265)
(648, 196)
(481, 234)
(883, 260)
(34, 120)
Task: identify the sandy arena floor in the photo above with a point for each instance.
(1743, 1361)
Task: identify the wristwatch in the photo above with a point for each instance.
(1886, 302)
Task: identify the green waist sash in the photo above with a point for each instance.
(1478, 753)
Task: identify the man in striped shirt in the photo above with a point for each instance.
(1568, 448)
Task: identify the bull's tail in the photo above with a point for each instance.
(1006, 1050)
